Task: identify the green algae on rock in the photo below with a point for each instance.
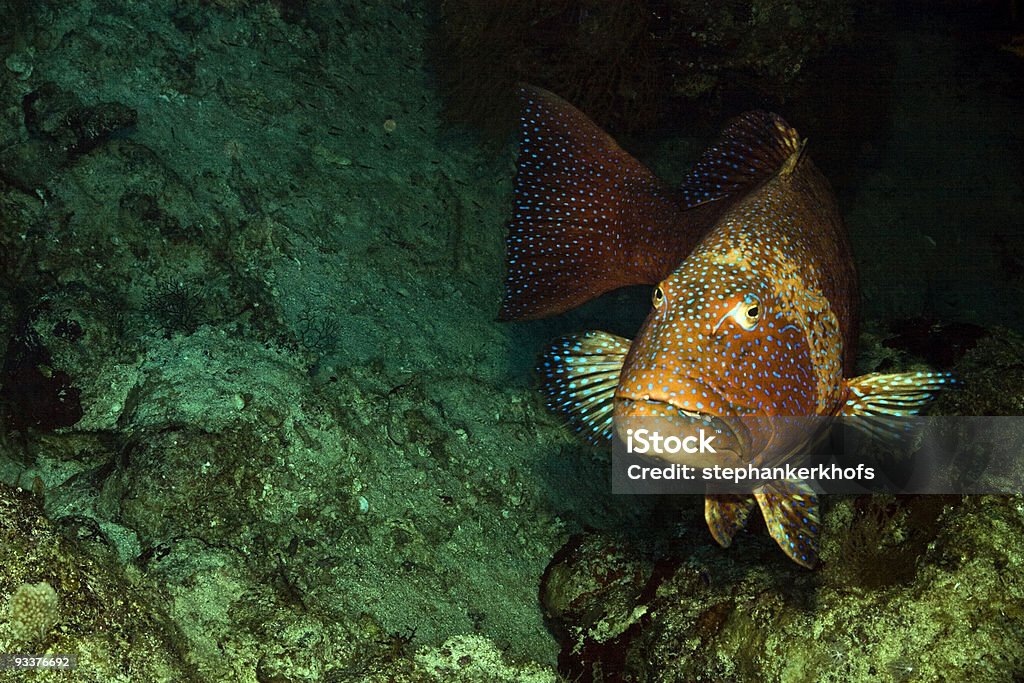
(736, 618)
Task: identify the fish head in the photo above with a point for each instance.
(721, 349)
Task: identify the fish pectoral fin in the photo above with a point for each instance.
(726, 514)
(580, 374)
(896, 395)
(587, 218)
(790, 510)
(883, 402)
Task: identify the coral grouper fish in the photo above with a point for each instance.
(753, 314)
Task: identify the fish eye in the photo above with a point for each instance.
(748, 312)
(658, 297)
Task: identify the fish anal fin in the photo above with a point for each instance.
(588, 217)
(726, 514)
(790, 510)
(579, 376)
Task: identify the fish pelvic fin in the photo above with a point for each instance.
(790, 510)
(726, 514)
(752, 148)
(579, 375)
(588, 217)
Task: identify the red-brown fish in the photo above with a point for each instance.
(754, 308)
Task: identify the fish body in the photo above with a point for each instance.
(754, 310)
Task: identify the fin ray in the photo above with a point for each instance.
(893, 395)
(580, 374)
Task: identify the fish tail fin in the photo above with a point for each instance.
(726, 514)
(580, 374)
(790, 510)
(588, 217)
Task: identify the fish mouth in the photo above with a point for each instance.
(695, 414)
(662, 404)
(728, 435)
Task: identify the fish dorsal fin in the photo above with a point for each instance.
(793, 160)
(588, 217)
(580, 374)
(752, 148)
